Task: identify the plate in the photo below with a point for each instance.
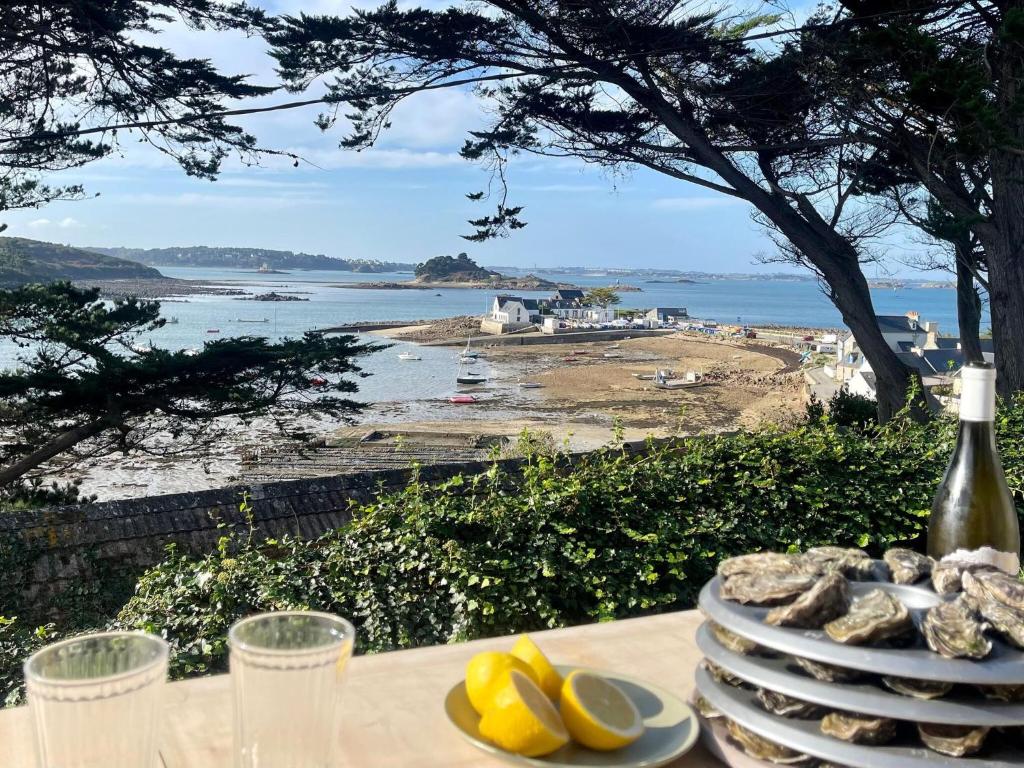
(671, 729)
(1004, 666)
(805, 736)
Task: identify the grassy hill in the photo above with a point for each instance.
(249, 258)
(33, 261)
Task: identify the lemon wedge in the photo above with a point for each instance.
(547, 676)
(521, 719)
(487, 673)
(598, 714)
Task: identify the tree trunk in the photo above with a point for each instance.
(59, 444)
(1006, 302)
(968, 307)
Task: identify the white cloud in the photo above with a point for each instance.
(387, 159)
(694, 203)
(66, 223)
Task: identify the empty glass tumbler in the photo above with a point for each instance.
(287, 670)
(95, 700)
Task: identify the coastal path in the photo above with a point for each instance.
(394, 702)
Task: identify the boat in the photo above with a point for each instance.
(571, 359)
(462, 399)
(614, 346)
(466, 360)
(213, 330)
(530, 385)
(470, 378)
(319, 381)
(469, 351)
(172, 321)
(612, 355)
(257, 320)
(407, 356)
(692, 379)
(644, 376)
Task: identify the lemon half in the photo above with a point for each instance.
(487, 673)
(547, 676)
(521, 719)
(598, 714)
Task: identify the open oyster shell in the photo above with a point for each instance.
(907, 566)
(763, 749)
(875, 618)
(769, 588)
(952, 740)
(947, 575)
(732, 641)
(983, 594)
(995, 585)
(828, 673)
(786, 706)
(828, 599)
(952, 630)
(855, 564)
(919, 689)
(859, 729)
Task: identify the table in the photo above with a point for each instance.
(394, 712)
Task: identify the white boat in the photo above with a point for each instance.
(612, 355)
(407, 356)
(252, 320)
(466, 360)
(530, 385)
(692, 379)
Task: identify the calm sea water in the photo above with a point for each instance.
(727, 301)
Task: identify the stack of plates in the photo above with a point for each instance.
(778, 672)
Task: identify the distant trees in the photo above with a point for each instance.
(85, 385)
(602, 297)
(440, 267)
(648, 83)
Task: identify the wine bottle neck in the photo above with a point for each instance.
(978, 395)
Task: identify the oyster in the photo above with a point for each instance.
(859, 729)
(1007, 621)
(853, 563)
(947, 575)
(919, 689)
(995, 585)
(829, 673)
(874, 618)
(786, 706)
(763, 749)
(732, 641)
(952, 630)
(1002, 692)
(758, 562)
(828, 599)
(706, 708)
(952, 740)
(906, 565)
(768, 588)
(722, 675)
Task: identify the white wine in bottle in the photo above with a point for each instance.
(973, 517)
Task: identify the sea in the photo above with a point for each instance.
(751, 301)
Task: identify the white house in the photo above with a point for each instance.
(667, 315)
(896, 329)
(510, 310)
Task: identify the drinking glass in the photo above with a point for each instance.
(95, 700)
(287, 669)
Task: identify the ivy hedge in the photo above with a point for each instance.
(610, 536)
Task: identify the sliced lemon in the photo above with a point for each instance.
(521, 719)
(487, 673)
(598, 714)
(547, 676)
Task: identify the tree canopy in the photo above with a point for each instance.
(86, 383)
(602, 297)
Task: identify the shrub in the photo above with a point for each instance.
(845, 409)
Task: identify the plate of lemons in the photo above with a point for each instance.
(520, 707)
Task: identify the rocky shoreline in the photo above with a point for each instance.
(158, 288)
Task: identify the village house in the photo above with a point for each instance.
(666, 315)
(514, 309)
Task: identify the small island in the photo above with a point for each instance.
(272, 296)
(462, 272)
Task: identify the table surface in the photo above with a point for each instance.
(394, 702)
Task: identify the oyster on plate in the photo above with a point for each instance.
(828, 599)
(952, 740)
(786, 706)
(1002, 692)
(731, 641)
(907, 566)
(919, 689)
(828, 673)
(875, 618)
(947, 575)
(764, 749)
(952, 630)
(722, 675)
(988, 592)
(706, 708)
(758, 562)
(855, 564)
(772, 587)
(859, 729)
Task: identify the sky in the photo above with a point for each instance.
(403, 200)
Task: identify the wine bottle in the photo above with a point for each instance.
(973, 517)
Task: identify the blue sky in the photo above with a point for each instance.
(402, 200)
